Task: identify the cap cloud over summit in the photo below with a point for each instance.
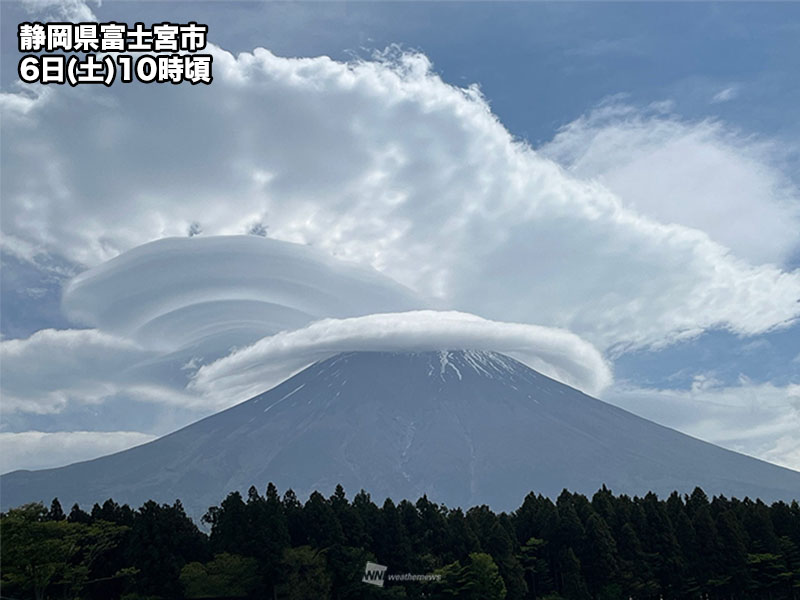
(202, 323)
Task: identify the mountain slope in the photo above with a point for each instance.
(464, 427)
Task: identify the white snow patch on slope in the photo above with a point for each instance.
(295, 390)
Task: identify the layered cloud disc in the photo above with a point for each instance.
(553, 352)
(177, 292)
(202, 323)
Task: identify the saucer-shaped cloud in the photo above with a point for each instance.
(553, 352)
(180, 291)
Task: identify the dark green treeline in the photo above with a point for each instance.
(267, 546)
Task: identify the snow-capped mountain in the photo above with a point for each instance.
(464, 427)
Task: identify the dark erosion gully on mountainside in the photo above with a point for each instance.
(463, 427)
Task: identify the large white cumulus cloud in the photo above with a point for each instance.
(384, 164)
(553, 352)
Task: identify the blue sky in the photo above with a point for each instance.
(542, 64)
(686, 114)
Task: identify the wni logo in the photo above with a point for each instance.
(374, 574)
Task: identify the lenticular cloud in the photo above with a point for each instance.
(230, 316)
(177, 292)
(553, 352)
(208, 322)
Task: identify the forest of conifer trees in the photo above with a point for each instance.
(267, 546)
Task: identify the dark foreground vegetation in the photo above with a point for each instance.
(606, 548)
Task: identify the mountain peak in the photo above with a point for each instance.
(464, 427)
(445, 364)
